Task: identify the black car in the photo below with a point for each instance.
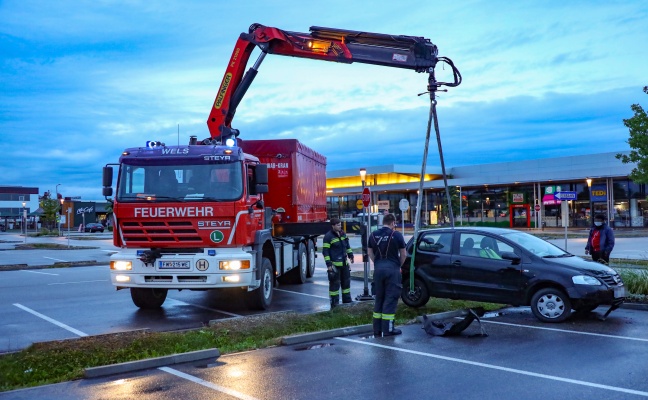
(509, 267)
(94, 227)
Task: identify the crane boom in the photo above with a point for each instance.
(326, 44)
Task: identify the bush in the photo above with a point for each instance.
(636, 281)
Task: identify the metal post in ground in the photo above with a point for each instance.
(365, 260)
(365, 294)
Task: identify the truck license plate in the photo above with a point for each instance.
(174, 264)
(619, 292)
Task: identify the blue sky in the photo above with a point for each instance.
(81, 81)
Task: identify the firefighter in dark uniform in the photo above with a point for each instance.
(336, 250)
(387, 251)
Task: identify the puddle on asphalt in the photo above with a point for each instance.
(367, 337)
(505, 311)
(211, 365)
(314, 346)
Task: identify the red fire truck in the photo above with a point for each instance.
(231, 213)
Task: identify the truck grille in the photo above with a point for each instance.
(169, 279)
(155, 233)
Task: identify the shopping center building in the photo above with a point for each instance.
(499, 192)
(507, 193)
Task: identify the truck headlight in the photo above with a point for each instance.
(234, 265)
(121, 265)
(585, 280)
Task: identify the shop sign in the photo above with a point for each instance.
(599, 193)
(518, 198)
(552, 189)
(383, 204)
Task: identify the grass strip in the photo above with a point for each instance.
(58, 361)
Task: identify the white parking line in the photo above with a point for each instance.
(55, 259)
(566, 331)
(48, 319)
(303, 294)
(497, 367)
(74, 283)
(38, 272)
(210, 385)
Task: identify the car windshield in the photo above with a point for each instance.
(535, 245)
(217, 182)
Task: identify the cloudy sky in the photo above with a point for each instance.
(81, 81)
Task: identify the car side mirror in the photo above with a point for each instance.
(508, 255)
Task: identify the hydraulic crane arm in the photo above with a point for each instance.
(327, 44)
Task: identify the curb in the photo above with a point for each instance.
(148, 363)
(309, 337)
(62, 264)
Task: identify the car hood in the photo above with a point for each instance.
(579, 264)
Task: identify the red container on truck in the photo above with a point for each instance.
(297, 176)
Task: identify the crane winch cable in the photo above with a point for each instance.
(433, 87)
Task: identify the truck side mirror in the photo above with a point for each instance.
(261, 172)
(261, 188)
(107, 181)
(107, 176)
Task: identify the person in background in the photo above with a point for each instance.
(600, 241)
(387, 251)
(336, 250)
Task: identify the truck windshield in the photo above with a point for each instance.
(163, 183)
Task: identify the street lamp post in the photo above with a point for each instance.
(59, 212)
(69, 210)
(24, 220)
(365, 257)
(591, 205)
(460, 207)
(60, 215)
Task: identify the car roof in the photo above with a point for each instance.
(475, 229)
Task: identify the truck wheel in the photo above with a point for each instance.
(148, 299)
(310, 252)
(260, 298)
(301, 272)
(551, 305)
(419, 297)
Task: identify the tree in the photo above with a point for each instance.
(638, 127)
(50, 207)
(109, 209)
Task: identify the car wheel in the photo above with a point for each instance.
(418, 297)
(551, 305)
(148, 299)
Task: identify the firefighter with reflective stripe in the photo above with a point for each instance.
(387, 251)
(336, 250)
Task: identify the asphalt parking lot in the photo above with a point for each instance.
(521, 358)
